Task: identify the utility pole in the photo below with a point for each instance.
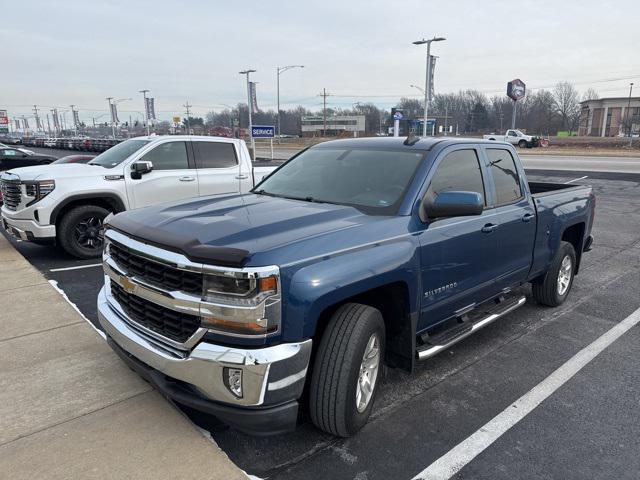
(427, 86)
(146, 110)
(250, 108)
(628, 118)
(187, 106)
(324, 96)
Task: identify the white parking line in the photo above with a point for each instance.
(454, 460)
(54, 284)
(75, 268)
(576, 179)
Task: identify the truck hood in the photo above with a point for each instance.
(238, 230)
(63, 170)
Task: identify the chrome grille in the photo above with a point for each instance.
(176, 326)
(11, 193)
(155, 273)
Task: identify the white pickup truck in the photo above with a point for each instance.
(66, 204)
(515, 137)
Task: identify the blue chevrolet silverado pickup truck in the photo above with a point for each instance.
(352, 256)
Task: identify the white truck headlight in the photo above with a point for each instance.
(39, 189)
(244, 303)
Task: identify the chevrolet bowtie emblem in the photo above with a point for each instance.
(127, 284)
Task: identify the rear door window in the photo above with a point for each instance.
(214, 154)
(505, 176)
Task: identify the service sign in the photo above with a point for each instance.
(263, 131)
(516, 89)
(4, 122)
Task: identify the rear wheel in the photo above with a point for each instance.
(347, 370)
(80, 231)
(553, 289)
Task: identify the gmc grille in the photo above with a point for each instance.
(11, 193)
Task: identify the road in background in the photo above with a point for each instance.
(581, 163)
(534, 162)
(587, 429)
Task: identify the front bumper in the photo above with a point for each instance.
(28, 230)
(272, 378)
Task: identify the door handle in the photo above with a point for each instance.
(527, 217)
(489, 227)
(187, 179)
(242, 177)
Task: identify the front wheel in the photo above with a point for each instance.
(522, 144)
(347, 370)
(80, 231)
(553, 288)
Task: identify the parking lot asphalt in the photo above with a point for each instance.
(587, 428)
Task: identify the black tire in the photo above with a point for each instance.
(337, 366)
(545, 289)
(69, 237)
(522, 144)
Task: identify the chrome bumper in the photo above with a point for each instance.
(270, 375)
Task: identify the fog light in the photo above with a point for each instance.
(232, 378)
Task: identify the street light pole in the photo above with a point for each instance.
(250, 107)
(282, 70)
(427, 84)
(628, 120)
(146, 112)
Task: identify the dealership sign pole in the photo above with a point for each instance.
(4, 122)
(515, 91)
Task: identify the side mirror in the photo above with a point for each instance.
(140, 168)
(451, 204)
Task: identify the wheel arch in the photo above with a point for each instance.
(574, 234)
(110, 201)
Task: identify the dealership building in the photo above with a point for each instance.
(609, 117)
(336, 125)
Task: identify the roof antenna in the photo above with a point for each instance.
(411, 139)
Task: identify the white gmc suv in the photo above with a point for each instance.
(65, 204)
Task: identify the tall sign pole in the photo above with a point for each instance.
(250, 107)
(146, 108)
(516, 90)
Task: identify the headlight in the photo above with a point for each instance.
(243, 303)
(39, 189)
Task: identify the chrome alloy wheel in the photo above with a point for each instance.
(564, 275)
(368, 373)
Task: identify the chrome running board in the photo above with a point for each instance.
(461, 331)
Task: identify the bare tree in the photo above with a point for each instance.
(590, 94)
(567, 105)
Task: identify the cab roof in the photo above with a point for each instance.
(422, 143)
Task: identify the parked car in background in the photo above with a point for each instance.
(515, 137)
(24, 150)
(352, 254)
(74, 159)
(66, 204)
(11, 157)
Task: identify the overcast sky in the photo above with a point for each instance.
(62, 52)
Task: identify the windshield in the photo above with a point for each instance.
(372, 180)
(118, 153)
